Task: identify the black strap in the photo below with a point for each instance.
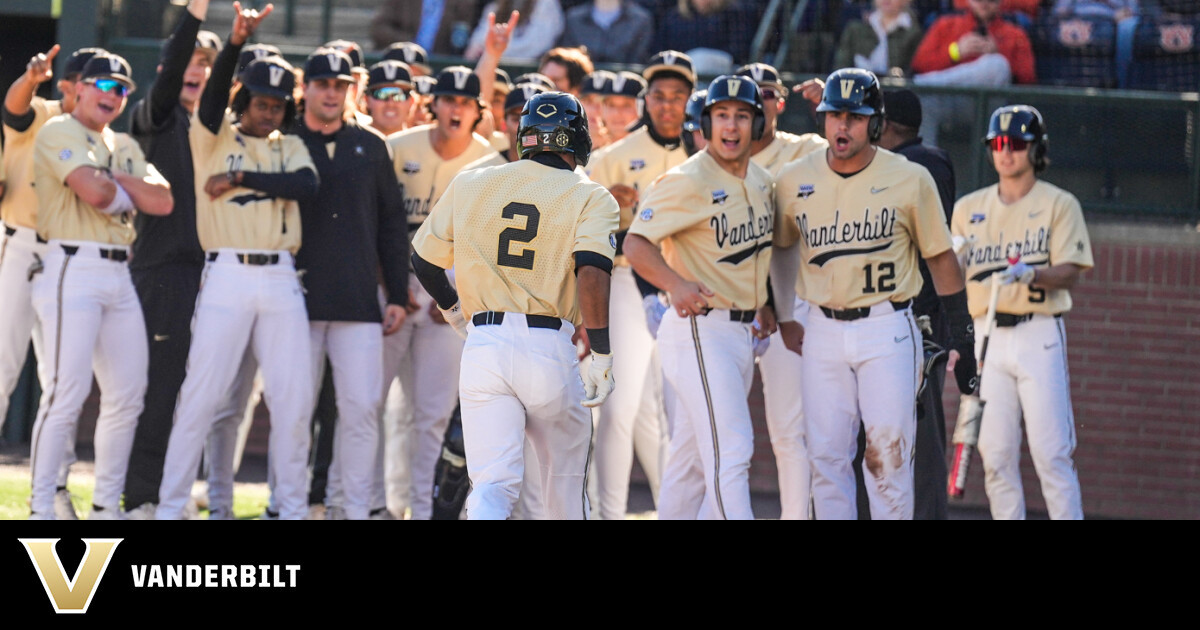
(1008, 320)
(851, 314)
(115, 255)
(489, 318)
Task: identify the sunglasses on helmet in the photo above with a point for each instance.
(394, 94)
(1000, 143)
(110, 86)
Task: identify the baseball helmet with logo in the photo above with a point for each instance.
(269, 76)
(554, 122)
(733, 88)
(856, 91)
(1021, 122)
(691, 120)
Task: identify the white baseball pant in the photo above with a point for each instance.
(1026, 375)
(227, 439)
(868, 368)
(632, 420)
(708, 366)
(240, 306)
(91, 320)
(780, 370)
(18, 248)
(520, 381)
(355, 351)
(393, 468)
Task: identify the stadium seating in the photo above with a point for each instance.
(1165, 55)
(1075, 51)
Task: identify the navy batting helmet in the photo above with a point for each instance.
(1021, 122)
(695, 107)
(728, 87)
(555, 122)
(856, 91)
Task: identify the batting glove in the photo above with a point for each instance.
(654, 313)
(760, 345)
(454, 317)
(598, 381)
(1019, 272)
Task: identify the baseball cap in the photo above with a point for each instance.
(255, 51)
(328, 63)
(597, 82)
(902, 107)
(502, 82)
(79, 59)
(457, 81)
(626, 83)
(424, 85)
(107, 65)
(763, 74)
(538, 78)
(352, 50)
(389, 71)
(270, 76)
(520, 95)
(671, 61)
(412, 54)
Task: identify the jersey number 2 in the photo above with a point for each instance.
(524, 260)
(887, 278)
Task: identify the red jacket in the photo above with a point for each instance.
(1011, 41)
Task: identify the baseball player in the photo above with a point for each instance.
(24, 114)
(412, 54)
(423, 87)
(533, 243)
(249, 181)
(591, 94)
(714, 217)
(89, 181)
(494, 83)
(354, 226)
(633, 419)
(693, 135)
(360, 76)
(858, 268)
(389, 96)
(619, 105)
(426, 159)
(1039, 226)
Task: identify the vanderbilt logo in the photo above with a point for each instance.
(1005, 120)
(114, 64)
(335, 63)
(75, 595)
(276, 75)
(847, 88)
(390, 71)
(460, 79)
(733, 85)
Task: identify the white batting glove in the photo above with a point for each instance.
(1019, 272)
(654, 313)
(454, 317)
(598, 381)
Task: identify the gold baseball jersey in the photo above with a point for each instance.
(499, 141)
(19, 205)
(860, 235)
(785, 148)
(511, 231)
(1045, 228)
(423, 173)
(495, 159)
(635, 161)
(243, 218)
(63, 145)
(714, 227)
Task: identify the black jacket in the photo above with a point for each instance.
(937, 162)
(354, 229)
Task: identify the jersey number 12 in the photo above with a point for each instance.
(887, 278)
(524, 260)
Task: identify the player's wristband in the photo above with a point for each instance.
(962, 328)
(955, 54)
(121, 202)
(598, 337)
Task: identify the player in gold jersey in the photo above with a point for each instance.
(89, 182)
(714, 218)
(24, 114)
(862, 216)
(249, 181)
(533, 243)
(1032, 234)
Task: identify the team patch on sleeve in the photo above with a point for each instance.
(637, 165)
(64, 155)
(806, 191)
(411, 167)
(646, 214)
(977, 218)
(612, 240)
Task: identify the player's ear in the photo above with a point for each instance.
(780, 104)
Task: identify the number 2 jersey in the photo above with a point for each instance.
(860, 235)
(1044, 228)
(511, 232)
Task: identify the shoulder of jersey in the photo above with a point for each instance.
(809, 161)
(628, 140)
(976, 197)
(759, 172)
(408, 134)
(480, 139)
(487, 161)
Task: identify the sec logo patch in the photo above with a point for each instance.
(612, 240)
(646, 214)
(64, 155)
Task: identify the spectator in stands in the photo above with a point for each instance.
(887, 39)
(613, 31)
(1115, 10)
(567, 67)
(539, 27)
(441, 26)
(1007, 7)
(1174, 8)
(716, 30)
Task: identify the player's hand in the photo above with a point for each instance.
(972, 44)
(690, 298)
(654, 308)
(1020, 272)
(626, 196)
(393, 318)
(246, 21)
(218, 185)
(760, 343)
(412, 306)
(811, 90)
(792, 334)
(583, 345)
(454, 317)
(41, 66)
(598, 381)
(765, 324)
(435, 314)
(487, 123)
(498, 35)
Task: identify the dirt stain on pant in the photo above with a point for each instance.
(885, 452)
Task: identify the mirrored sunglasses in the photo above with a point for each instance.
(111, 86)
(1000, 143)
(393, 94)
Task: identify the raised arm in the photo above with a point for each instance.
(498, 36)
(20, 94)
(216, 95)
(164, 95)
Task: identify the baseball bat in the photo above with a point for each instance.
(970, 408)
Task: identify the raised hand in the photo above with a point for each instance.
(246, 22)
(498, 35)
(41, 66)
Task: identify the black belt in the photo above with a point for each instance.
(488, 318)
(115, 255)
(1008, 320)
(852, 314)
(10, 230)
(744, 317)
(251, 259)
